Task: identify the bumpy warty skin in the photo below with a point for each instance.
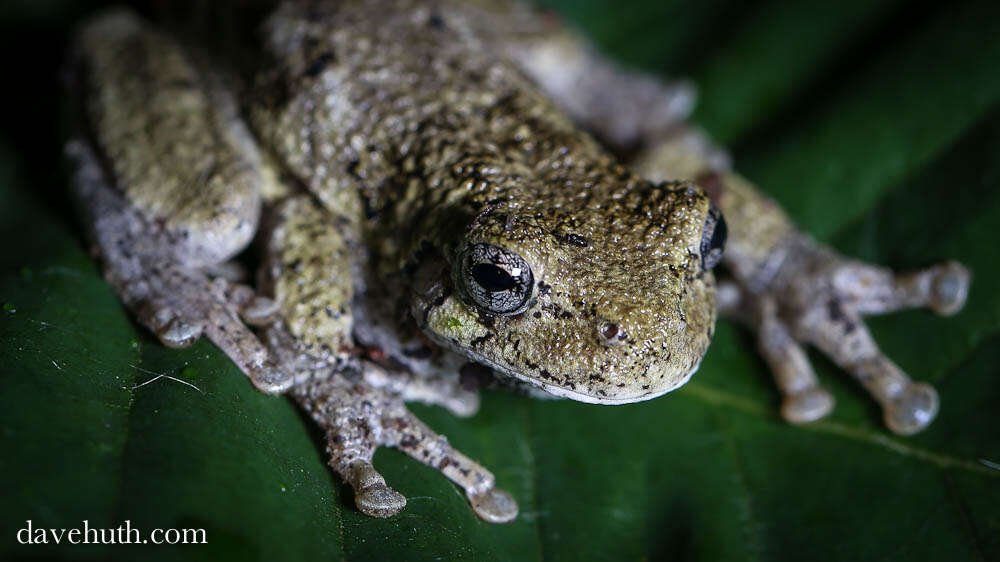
(401, 121)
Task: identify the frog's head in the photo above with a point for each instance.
(605, 302)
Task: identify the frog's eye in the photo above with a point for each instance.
(713, 238)
(497, 280)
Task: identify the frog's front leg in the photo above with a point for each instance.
(828, 316)
(359, 418)
(791, 289)
(311, 267)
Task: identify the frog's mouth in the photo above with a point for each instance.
(554, 360)
(613, 351)
(572, 394)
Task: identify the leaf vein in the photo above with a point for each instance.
(942, 460)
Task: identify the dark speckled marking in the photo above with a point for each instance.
(482, 339)
(836, 315)
(320, 63)
(436, 22)
(575, 240)
(421, 352)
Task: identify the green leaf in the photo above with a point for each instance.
(876, 125)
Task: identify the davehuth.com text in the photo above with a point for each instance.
(123, 534)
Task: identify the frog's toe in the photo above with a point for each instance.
(907, 406)
(171, 329)
(912, 409)
(494, 506)
(949, 289)
(417, 440)
(271, 379)
(870, 289)
(260, 311)
(177, 333)
(437, 389)
(803, 400)
(807, 406)
(464, 403)
(379, 500)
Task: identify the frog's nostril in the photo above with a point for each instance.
(609, 330)
(611, 333)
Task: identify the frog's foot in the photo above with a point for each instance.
(491, 504)
(179, 305)
(803, 399)
(371, 494)
(175, 302)
(359, 418)
(823, 306)
(836, 328)
(436, 389)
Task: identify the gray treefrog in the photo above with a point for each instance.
(430, 214)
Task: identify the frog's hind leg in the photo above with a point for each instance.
(359, 418)
(169, 181)
(176, 303)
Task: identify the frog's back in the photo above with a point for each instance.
(403, 103)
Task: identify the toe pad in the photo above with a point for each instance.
(494, 506)
(912, 410)
(380, 501)
(807, 406)
(950, 289)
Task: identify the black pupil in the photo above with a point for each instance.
(719, 235)
(492, 278)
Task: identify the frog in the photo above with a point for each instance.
(446, 196)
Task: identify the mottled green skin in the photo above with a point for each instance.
(397, 112)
